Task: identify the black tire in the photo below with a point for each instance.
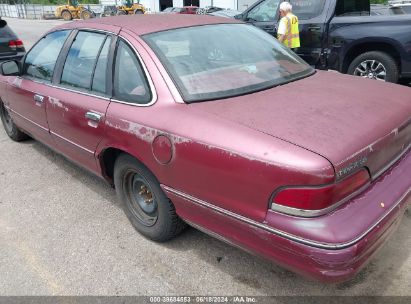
(388, 63)
(138, 12)
(11, 129)
(66, 15)
(86, 14)
(120, 12)
(160, 221)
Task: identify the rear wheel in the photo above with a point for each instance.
(144, 202)
(138, 12)
(66, 15)
(375, 65)
(11, 129)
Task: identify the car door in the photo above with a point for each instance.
(313, 28)
(264, 15)
(27, 94)
(77, 106)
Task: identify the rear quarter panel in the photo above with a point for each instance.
(221, 162)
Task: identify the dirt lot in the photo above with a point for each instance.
(62, 233)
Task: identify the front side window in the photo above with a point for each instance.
(41, 59)
(130, 83)
(224, 60)
(263, 12)
(81, 59)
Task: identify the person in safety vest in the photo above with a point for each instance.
(288, 32)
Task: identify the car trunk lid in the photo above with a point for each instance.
(350, 121)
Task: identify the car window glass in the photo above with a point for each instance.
(130, 83)
(6, 32)
(81, 59)
(41, 59)
(407, 9)
(215, 61)
(307, 9)
(352, 8)
(265, 11)
(100, 73)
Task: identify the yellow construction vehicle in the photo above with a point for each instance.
(73, 10)
(130, 7)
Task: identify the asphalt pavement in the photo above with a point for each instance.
(62, 232)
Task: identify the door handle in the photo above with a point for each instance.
(314, 28)
(93, 116)
(38, 98)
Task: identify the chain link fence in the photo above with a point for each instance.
(35, 11)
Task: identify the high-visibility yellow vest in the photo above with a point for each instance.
(292, 36)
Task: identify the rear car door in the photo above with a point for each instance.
(27, 94)
(264, 15)
(76, 108)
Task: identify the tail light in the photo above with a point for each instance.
(317, 200)
(16, 44)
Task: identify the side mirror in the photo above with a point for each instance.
(10, 68)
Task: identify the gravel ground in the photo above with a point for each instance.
(62, 233)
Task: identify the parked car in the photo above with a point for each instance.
(167, 10)
(307, 168)
(341, 35)
(11, 47)
(208, 10)
(403, 8)
(227, 13)
(190, 10)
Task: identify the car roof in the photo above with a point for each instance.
(149, 23)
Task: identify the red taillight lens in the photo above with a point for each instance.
(13, 44)
(19, 43)
(317, 198)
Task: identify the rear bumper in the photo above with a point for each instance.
(330, 248)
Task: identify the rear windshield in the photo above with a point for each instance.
(5, 31)
(224, 60)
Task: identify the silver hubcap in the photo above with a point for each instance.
(371, 69)
(141, 200)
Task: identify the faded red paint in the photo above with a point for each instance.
(162, 149)
(233, 154)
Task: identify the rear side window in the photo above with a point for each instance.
(307, 9)
(41, 59)
(81, 59)
(100, 73)
(130, 83)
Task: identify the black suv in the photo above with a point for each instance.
(11, 47)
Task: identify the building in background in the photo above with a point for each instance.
(159, 5)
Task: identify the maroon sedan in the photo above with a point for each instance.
(212, 122)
